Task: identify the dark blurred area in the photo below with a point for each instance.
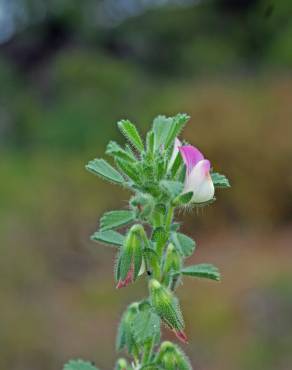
(68, 71)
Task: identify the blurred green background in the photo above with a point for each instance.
(68, 71)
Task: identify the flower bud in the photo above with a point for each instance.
(172, 263)
(172, 260)
(121, 364)
(130, 258)
(172, 357)
(143, 204)
(167, 307)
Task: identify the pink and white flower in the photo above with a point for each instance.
(198, 179)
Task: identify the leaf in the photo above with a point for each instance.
(108, 237)
(173, 188)
(125, 336)
(129, 169)
(203, 270)
(176, 165)
(103, 169)
(184, 244)
(178, 123)
(161, 128)
(130, 132)
(150, 143)
(146, 326)
(79, 365)
(220, 181)
(182, 199)
(117, 151)
(113, 219)
(166, 129)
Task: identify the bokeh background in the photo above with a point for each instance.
(68, 71)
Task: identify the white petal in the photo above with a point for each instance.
(142, 268)
(177, 144)
(200, 183)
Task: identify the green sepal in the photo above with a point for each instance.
(166, 305)
(175, 226)
(125, 259)
(114, 219)
(153, 260)
(79, 365)
(182, 199)
(131, 133)
(173, 188)
(115, 150)
(184, 244)
(220, 181)
(203, 270)
(108, 237)
(172, 260)
(130, 253)
(171, 356)
(103, 169)
(204, 204)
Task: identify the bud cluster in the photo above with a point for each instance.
(164, 175)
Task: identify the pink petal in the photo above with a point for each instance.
(191, 156)
(181, 336)
(128, 280)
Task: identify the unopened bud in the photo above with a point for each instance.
(170, 356)
(166, 305)
(121, 364)
(172, 259)
(130, 258)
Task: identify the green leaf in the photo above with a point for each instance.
(173, 188)
(103, 169)
(178, 162)
(203, 270)
(146, 326)
(108, 237)
(161, 128)
(182, 199)
(129, 169)
(130, 132)
(114, 219)
(79, 365)
(117, 151)
(178, 123)
(125, 338)
(220, 181)
(184, 244)
(150, 142)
